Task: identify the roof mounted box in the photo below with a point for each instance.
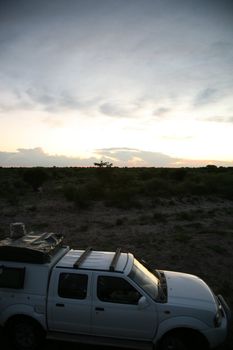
(31, 248)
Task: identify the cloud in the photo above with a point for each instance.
(138, 107)
(118, 109)
(44, 99)
(122, 157)
(205, 96)
(119, 156)
(112, 47)
(97, 59)
(161, 111)
(53, 101)
(12, 100)
(220, 119)
(135, 157)
(37, 157)
(219, 99)
(194, 163)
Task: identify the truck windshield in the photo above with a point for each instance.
(145, 279)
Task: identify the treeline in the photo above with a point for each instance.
(122, 187)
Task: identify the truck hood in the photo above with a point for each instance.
(190, 290)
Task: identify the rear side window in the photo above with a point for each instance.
(12, 277)
(72, 285)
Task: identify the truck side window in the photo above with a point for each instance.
(72, 285)
(11, 277)
(116, 290)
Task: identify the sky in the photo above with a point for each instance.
(133, 82)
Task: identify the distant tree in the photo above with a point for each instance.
(103, 164)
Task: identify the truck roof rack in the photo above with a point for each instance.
(31, 248)
(82, 257)
(115, 260)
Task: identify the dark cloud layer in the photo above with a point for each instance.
(37, 157)
(94, 48)
(137, 157)
(118, 156)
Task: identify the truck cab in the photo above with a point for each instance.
(103, 295)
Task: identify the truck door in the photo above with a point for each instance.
(116, 311)
(69, 301)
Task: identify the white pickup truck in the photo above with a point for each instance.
(97, 297)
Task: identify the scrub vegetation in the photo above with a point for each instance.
(176, 219)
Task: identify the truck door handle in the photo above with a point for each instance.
(99, 309)
(60, 305)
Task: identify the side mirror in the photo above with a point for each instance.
(142, 303)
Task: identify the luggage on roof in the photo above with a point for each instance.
(31, 248)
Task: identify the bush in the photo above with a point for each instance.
(79, 196)
(35, 177)
(123, 198)
(158, 187)
(178, 174)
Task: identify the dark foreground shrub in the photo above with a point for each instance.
(78, 195)
(35, 177)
